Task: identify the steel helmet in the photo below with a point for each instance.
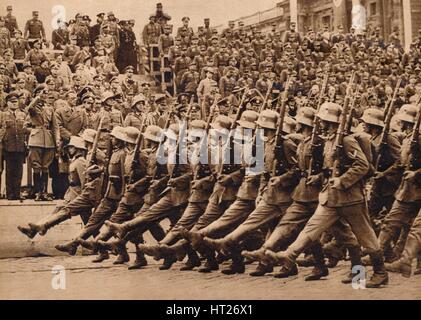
(77, 142)
(132, 134)
(118, 133)
(89, 135)
(197, 128)
(408, 113)
(306, 116)
(268, 119)
(374, 117)
(330, 111)
(248, 119)
(222, 123)
(153, 133)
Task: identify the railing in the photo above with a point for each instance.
(261, 16)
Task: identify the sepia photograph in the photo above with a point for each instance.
(228, 150)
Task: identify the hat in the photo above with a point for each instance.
(9, 8)
(330, 111)
(128, 68)
(373, 116)
(306, 115)
(222, 123)
(35, 13)
(173, 131)
(159, 97)
(248, 119)
(185, 19)
(408, 113)
(107, 96)
(101, 15)
(109, 14)
(268, 119)
(197, 128)
(153, 133)
(132, 134)
(89, 135)
(118, 133)
(13, 96)
(137, 99)
(77, 142)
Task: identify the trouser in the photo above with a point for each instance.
(400, 216)
(413, 243)
(149, 216)
(103, 212)
(14, 171)
(41, 158)
(213, 211)
(236, 214)
(191, 214)
(261, 216)
(59, 181)
(324, 217)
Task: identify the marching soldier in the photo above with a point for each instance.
(13, 133)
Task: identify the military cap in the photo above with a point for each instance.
(408, 113)
(145, 83)
(114, 78)
(330, 111)
(206, 19)
(128, 68)
(152, 16)
(222, 123)
(137, 99)
(131, 134)
(373, 116)
(84, 90)
(110, 14)
(89, 135)
(77, 142)
(306, 115)
(153, 133)
(35, 13)
(185, 19)
(268, 119)
(248, 119)
(118, 133)
(13, 96)
(39, 88)
(9, 8)
(160, 97)
(86, 18)
(87, 95)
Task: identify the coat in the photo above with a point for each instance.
(71, 121)
(13, 131)
(45, 132)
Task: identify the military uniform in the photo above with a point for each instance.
(60, 39)
(11, 23)
(13, 135)
(20, 48)
(35, 57)
(34, 29)
(4, 38)
(126, 55)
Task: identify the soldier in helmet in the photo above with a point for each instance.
(385, 184)
(407, 197)
(339, 194)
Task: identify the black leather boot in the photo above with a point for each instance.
(69, 247)
(103, 255)
(320, 269)
(261, 270)
(140, 260)
(192, 262)
(210, 265)
(44, 186)
(36, 177)
(355, 257)
(123, 257)
(287, 271)
(168, 262)
(380, 276)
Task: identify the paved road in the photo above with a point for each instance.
(31, 278)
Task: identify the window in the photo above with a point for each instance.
(373, 9)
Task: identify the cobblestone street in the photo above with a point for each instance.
(31, 278)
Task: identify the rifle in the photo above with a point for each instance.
(92, 159)
(338, 144)
(412, 163)
(316, 128)
(386, 128)
(136, 151)
(280, 164)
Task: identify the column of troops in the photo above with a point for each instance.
(337, 115)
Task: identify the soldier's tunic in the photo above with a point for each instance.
(408, 196)
(35, 57)
(11, 23)
(113, 194)
(127, 50)
(12, 143)
(43, 138)
(69, 52)
(151, 33)
(20, 47)
(346, 202)
(4, 39)
(60, 39)
(34, 29)
(71, 121)
(185, 33)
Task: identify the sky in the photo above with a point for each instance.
(219, 11)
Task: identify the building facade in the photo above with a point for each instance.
(363, 14)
